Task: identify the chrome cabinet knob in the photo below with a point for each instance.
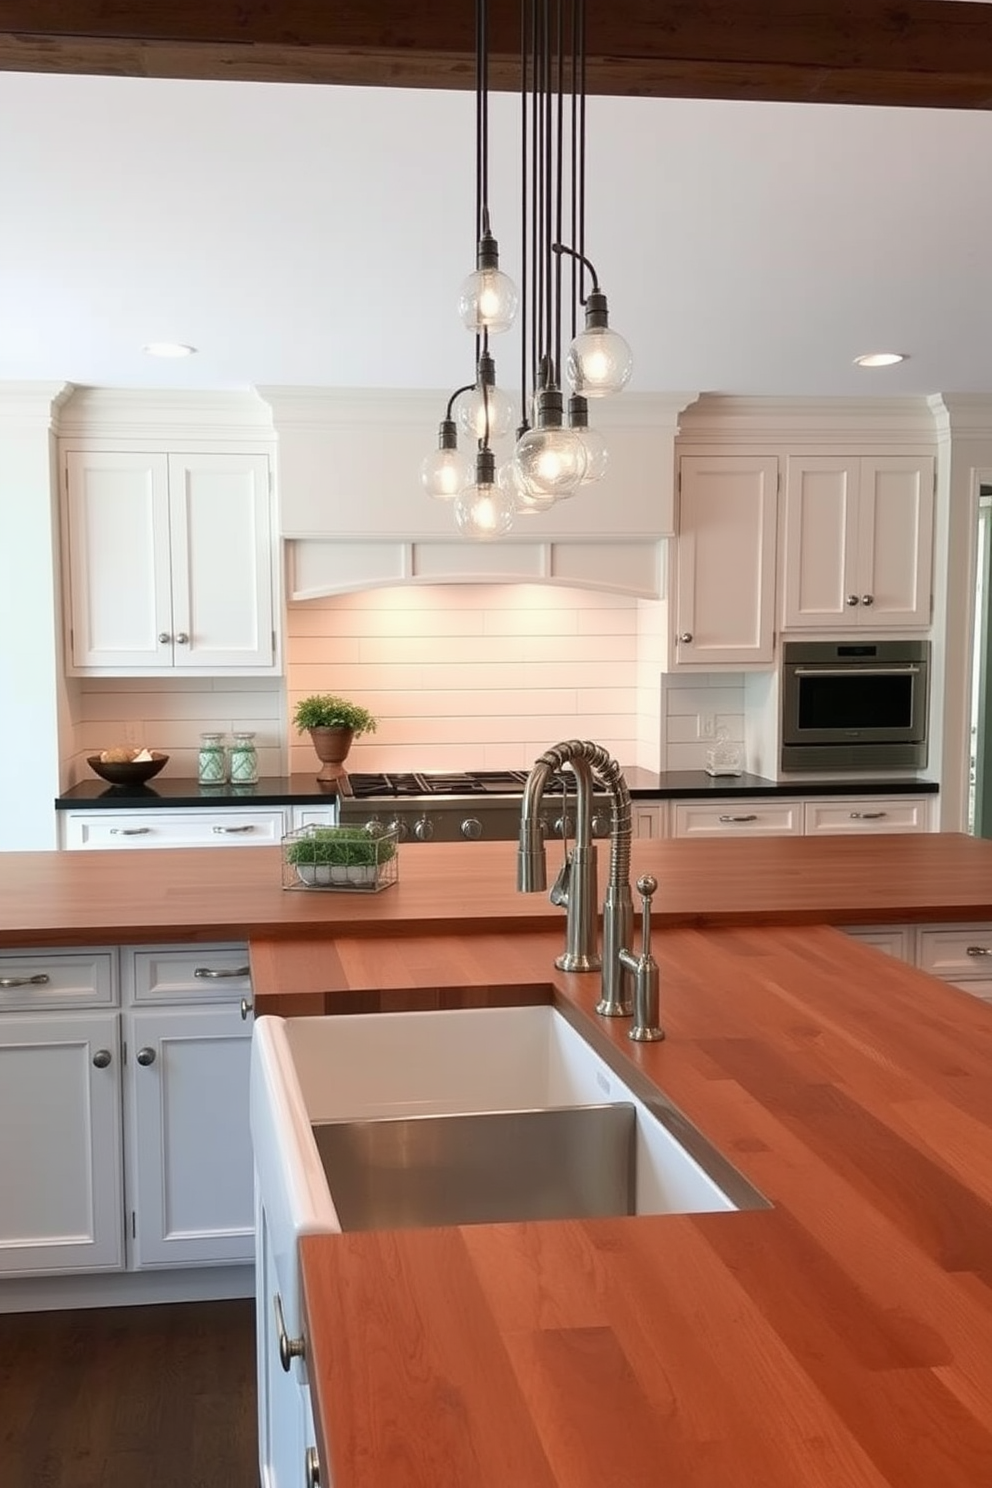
(312, 1468)
(102, 1058)
(423, 829)
(686, 637)
(867, 599)
(289, 1348)
(472, 828)
(145, 1056)
(182, 639)
(852, 600)
(164, 638)
(247, 1008)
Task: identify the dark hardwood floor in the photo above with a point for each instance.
(159, 1396)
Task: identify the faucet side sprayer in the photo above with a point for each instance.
(575, 887)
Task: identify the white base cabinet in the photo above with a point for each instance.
(61, 1193)
(124, 1138)
(195, 826)
(792, 816)
(959, 954)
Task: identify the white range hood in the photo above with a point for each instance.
(354, 515)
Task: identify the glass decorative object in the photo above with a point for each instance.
(244, 760)
(212, 761)
(725, 756)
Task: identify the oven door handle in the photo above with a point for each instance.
(881, 671)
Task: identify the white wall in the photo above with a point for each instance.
(30, 671)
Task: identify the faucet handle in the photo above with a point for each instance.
(647, 1028)
(646, 886)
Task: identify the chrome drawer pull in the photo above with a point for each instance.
(751, 817)
(312, 1468)
(978, 951)
(215, 974)
(868, 815)
(289, 1348)
(40, 980)
(129, 831)
(248, 827)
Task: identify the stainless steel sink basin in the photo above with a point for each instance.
(481, 1167)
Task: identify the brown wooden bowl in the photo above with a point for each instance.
(127, 772)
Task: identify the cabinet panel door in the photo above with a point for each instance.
(61, 1187)
(896, 526)
(119, 575)
(820, 542)
(222, 560)
(725, 561)
(830, 817)
(189, 1162)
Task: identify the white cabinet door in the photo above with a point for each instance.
(895, 541)
(119, 579)
(282, 1423)
(221, 546)
(649, 820)
(169, 563)
(189, 1163)
(725, 560)
(857, 541)
(61, 1187)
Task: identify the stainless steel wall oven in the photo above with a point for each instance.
(855, 705)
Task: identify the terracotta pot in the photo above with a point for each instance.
(332, 745)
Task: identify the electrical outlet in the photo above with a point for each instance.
(133, 731)
(707, 725)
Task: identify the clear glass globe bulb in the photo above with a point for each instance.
(550, 461)
(487, 301)
(444, 472)
(525, 503)
(484, 512)
(472, 412)
(597, 454)
(599, 362)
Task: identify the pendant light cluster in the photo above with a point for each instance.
(556, 451)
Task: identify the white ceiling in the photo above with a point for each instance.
(310, 235)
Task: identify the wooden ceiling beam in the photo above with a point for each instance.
(914, 53)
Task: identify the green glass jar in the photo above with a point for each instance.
(212, 760)
(244, 760)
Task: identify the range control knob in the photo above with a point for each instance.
(472, 828)
(564, 826)
(600, 824)
(374, 826)
(423, 829)
(400, 828)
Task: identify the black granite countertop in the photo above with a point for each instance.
(302, 790)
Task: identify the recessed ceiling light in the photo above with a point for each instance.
(879, 359)
(168, 349)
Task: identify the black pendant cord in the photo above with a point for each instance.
(481, 121)
(525, 29)
(580, 47)
(578, 91)
(558, 169)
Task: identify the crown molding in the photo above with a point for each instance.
(729, 419)
(32, 405)
(156, 414)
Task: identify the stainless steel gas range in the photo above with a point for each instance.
(476, 805)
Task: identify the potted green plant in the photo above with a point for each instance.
(339, 855)
(332, 723)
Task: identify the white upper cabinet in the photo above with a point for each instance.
(857, 542)
(169, 562)
(725, 560)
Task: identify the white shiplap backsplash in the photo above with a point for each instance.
(461, 676)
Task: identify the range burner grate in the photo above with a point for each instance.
(460, 783)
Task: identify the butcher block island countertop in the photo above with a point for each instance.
(466, 888)
(842, 1338)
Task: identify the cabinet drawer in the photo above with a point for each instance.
(136, 829)
(894, 940)
(58, 979)
(886, 814)
(169, 973)
(961, 953)
(736, 819)
(981, 988)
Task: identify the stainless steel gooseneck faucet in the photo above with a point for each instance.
(575, 887)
